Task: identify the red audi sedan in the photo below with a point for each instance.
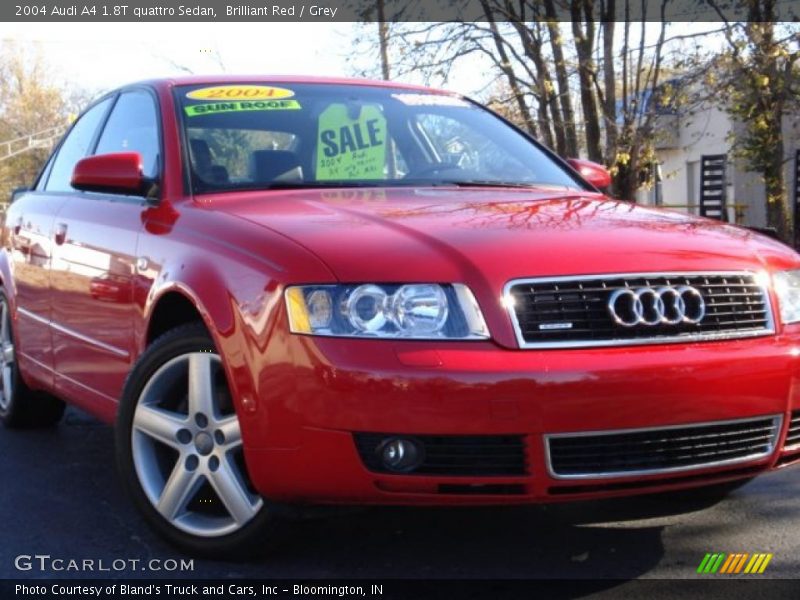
(294, 291)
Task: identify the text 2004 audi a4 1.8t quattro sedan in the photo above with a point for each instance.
(293, 291)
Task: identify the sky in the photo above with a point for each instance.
(101, 56)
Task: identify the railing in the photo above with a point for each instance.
(41, 139)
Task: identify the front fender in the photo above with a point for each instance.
(239, 306)
(234, 273)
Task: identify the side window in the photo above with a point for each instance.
(75, 147)
(45, 174)
(133, 127)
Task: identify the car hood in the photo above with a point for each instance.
(487, 237)
(494, 235)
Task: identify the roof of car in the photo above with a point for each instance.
(217, 79)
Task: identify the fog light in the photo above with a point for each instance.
(401, 455)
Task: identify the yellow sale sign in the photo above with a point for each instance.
(351, 148)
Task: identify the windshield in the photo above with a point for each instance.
(258, 136)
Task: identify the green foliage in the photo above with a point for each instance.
(760, 86)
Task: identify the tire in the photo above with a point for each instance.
(179, 451)
(21, 407)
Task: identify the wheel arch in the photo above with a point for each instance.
(176, 303)
(174, 307)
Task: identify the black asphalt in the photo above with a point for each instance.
(60, 496)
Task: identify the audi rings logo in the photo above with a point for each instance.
(665, 305)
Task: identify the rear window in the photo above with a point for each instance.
(253, 136)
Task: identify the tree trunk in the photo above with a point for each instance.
(558, 126)
(508, 71)
(609, 83)
(544, 123)
(625, 186)
(551, 97)
(564, 93)
(548, 121)
(778, 212)
(383, 40)
(763, 100)
(584, 43)
(762, 33)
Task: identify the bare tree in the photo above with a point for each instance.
(505, 65)
(581, 87)
(383, 40)
(583, 31)
(562, 76)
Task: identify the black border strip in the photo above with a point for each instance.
(710, 587)
(328, 11)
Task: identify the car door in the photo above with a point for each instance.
(94, 264)
(30, 241)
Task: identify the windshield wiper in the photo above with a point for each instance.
(299, 185)
(488, 183)
(344, 184)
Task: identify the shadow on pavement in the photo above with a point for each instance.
(61, 497)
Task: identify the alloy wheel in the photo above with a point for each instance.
(187, 448)
(7, 358)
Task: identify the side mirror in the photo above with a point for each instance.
(592, 172)
(115, 173)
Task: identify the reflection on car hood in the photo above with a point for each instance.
(446, 234)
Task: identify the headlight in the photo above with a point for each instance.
(787, 287)
(411, 311)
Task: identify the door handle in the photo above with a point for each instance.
(61, 233)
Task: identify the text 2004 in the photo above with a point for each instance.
(31, 11)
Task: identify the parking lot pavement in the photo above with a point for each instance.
(60, 497)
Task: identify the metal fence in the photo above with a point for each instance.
(41, 139)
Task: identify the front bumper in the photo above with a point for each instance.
(299, 424)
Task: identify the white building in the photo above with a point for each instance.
(684, 140)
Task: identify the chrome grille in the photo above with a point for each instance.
(793, 435)
(660, 450)
(567, 312)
